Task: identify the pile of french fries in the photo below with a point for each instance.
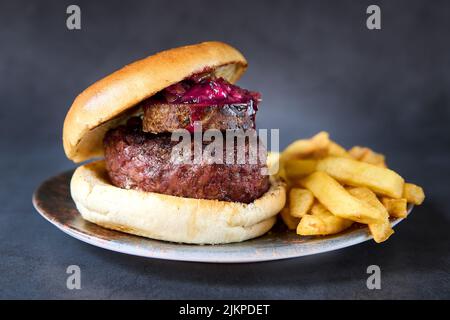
(331, 188)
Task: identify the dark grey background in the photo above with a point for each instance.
(318, 68)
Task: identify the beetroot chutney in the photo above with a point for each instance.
(202, 91)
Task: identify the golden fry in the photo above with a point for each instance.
(413, 194)
(332, 187)
(300, 201)
(313, 147)
(290, 221)
(274, 165)
(299, 168)
(336, 150)
(397, 208)
(376, 159)
(336, 199)
(367, 155)
(357, 152)
(273, 158)
(321, 222)
(382, 230)
(381, 180)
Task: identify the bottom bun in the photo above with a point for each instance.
(170, 218)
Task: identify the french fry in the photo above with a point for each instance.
(272, 158)
(281, 173)
(367, 155)
(321, 222)
(357, 152)
(413, 194)
(274, 165)
(382, 230)
(330, 188)
(300, 201)
(397, 208)
(336, 150)
(338, 201)
(313, 147)
(381, 180)
(290, 221)
(298, 168)
(375, 159)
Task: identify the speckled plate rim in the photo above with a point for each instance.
(265, 248)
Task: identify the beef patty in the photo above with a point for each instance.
(167, 117)
(142, 161)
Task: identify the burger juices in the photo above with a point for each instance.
(138, 155)
(126, 122)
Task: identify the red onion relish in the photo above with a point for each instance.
(203, 90)
(209, 91)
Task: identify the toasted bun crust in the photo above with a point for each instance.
(170, 218)
(111, 100)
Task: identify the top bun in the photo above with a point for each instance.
(113, 99)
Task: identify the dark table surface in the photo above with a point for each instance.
(318, 67)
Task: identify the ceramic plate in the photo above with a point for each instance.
(53, 201)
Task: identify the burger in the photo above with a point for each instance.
(125, 123)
